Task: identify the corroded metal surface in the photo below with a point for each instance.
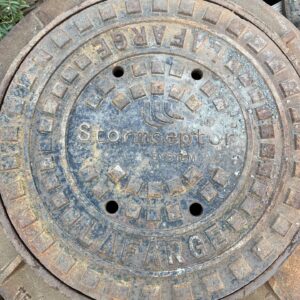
(150, 149)
(285, 282)
(292, 11)
(27, 28)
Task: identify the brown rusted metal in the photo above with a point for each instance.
(285, 282)
(151, 150)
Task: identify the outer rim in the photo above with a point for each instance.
(290, 52)
(291, 11)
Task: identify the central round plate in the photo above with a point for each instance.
(155, 140)
(146, 155)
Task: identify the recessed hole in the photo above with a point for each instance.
(118, 71)
(196, 209)
(112, 207)
(197, 74)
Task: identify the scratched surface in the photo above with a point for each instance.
(147, 156)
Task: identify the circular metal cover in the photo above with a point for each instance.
(150, 149)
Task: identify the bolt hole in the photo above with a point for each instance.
(197, 74)
(118, 71)
(196, 209)
(112, 207)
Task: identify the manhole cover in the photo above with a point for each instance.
(150, 150)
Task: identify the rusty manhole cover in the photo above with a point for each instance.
(150, 150)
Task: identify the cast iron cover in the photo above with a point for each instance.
(150, 149)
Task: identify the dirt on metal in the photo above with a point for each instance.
(150, 149)
(292, 11)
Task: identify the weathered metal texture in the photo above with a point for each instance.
(277, 27)
(285, 282)
(292, 11)
(153, 106)
(27, 28)
(21, 282)
(264, 292)
(26, 279)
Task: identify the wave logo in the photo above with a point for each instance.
(159, 114)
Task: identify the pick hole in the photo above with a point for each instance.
(197, 74)
(118, 71)
(112, 207)
(196, 209)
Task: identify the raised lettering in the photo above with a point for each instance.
(216, 236)
(130, 252)
(159, 32)
(198, 40)
(84, 132)
(113, 136)
(179, 39)
(22, 294)
(197, 246)
(183, 139)
(103, 49)
(119, 40)
(140, 38)
(174, 253)
(152, 256)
